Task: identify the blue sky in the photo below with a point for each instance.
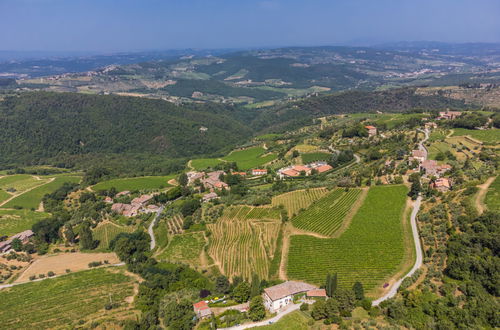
(124, 25)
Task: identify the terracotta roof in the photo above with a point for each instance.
(443, 182)
(316, 293)
(370, 127)
(300, 168)
(287, 289)
(323, 168)
(290, 172)
(418, 153)
(200, 305)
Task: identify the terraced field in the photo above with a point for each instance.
(243, 240)
(16, 221)
(487, 135)
(106, 232)
(326, 215)
(139, 183)
(250, 158)
(370, 251)
(62, 302)
(184, 248)
(300, 199)
(32, 198)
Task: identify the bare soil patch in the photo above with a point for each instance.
(60, 262)
(483, 189)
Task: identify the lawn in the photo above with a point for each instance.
(315, 156)
(16, 221)
(138, 183)
(371, 250)
(492, 199)
(294, 321)
(438, 147)
(62, 302)
(204, 163)
(487, 135)
(32, 198)
(184, 248)
(250, 158)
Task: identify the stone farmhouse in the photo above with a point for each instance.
(202, 310)
(137, 205)
(448, 115)
(210, 180)
(441, 184)
(432, 168)
(281, 295)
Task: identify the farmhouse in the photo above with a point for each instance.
(193, 176)
(202, 310)
(297, 170)
(431, 125)
(372, 130)
(431, 167)
(23, 236)
(418, 155)
(441, 184)
(210, 196)
(279, 296)
(137, 206)
(259, 172)
(448, 115)
(108, 200)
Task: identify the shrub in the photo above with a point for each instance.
(50, 273)
(41, 275)
(95, 264)
(304, 307)
(32, 277)
(68, 270)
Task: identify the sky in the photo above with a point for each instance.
(135, 25)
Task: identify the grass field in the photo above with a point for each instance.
(32, 198)
(437, 147)
(487, 135)
(438, 135)
(294, 321)
(325, 216)
(106, 232)
(315, 156)
(243, 240)
(370, 250)
(20, 182)
(16, 221)
(300, 199)
(250, 158)
(139, 183)
(204, 163)
(492, 199)
(4, 195)
(184, 248)
(63, 301)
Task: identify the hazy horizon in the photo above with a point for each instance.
(130, 25)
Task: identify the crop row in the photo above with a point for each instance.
(299, 199)
(326, 216)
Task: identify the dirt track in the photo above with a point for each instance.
(483, 189)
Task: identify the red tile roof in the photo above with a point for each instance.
(200, 305)
(290, 172)
(370, 127)
(316, 293)
(323, 168)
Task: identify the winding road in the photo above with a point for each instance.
(416, 238)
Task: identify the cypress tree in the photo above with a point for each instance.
(255, 287)
(328, 284)
(334, 284)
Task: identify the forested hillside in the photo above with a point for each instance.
(38, 126)
(395, 100)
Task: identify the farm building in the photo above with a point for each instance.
(210, 196)
(259, 172)
(297, 170)
(108, 200)
(202, 310)
(418, 155)
(431, 125)
(372, 130)
(23, 236)
(279, 296)
(123, 193)
(448, 115)
(137, 206)
(441, 184)
(324, 168)
(431, 167)
(316, 293)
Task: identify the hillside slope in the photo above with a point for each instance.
(41, 125)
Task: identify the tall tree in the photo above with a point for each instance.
(359, 291)
(255, 288)
(241, 292)
(257, 311)
(183, 179)
(222, 284)
(328, 285)
(334, 284)
(86, 238)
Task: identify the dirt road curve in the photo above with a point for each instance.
(151, 226)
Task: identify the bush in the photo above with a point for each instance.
(95, 264)
(50, 273)
(32, 277)
(68, 270)
(41, 276)
(304, 307)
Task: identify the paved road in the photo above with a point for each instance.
(290, 308)
(416, 238)
(151, 226)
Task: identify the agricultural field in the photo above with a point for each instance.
(492, 199)
(4, 195)
(299, 199)
(204, 163)
(16, 221)
(326, 215)
(371, 250)
(304, 148)
(487, 135)
(139, 183)
(438, 147)
(20, 182)
(297, 320)
(63, 301)
(250, 158)
(107, 231)
(174, 224)
(315, 156)
(243, 240)
(31, 199)
(184, 248)
(438, 135)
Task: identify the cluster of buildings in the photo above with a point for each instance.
(137, 206)
(432, 168)
(448, 115)
(211, 180)
(24, 237)
(298, 170)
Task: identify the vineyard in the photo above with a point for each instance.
(370, 251)
(106, 232)
(300, 199)
(174, 225)
(185, 248)
(326, 215)
(243, 241)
